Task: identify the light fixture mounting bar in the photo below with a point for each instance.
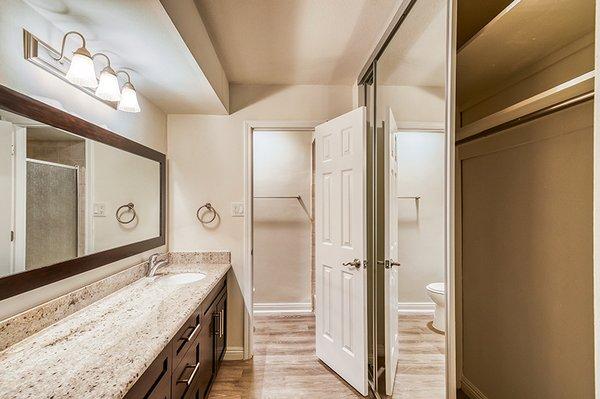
(44, 56)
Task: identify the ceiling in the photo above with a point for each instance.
(295, 41)
(417, 53)
(139, 34)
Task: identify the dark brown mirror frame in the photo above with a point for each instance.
(28, 107)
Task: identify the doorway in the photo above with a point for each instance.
(279, 283)
(282, 220)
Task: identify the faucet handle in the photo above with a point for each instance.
(152, 258)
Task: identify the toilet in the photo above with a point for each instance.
(437, 293)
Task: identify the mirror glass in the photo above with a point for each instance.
(410, 107)
(64, 196)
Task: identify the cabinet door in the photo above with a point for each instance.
(206, 357)
(221, 332)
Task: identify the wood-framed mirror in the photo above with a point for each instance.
(74, 196)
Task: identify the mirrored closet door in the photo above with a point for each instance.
(405, 92)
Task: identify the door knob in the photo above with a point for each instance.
(390, 263)
(355, 263)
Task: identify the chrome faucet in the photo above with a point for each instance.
(154, 264)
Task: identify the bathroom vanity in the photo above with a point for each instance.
(85, 197)
(157, 337)
(186, 366)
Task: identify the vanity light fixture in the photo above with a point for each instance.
(81, 71)
(129, 101)
(108, 86)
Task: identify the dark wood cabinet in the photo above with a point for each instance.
(220, 334)
(186, 367)
(155, 383)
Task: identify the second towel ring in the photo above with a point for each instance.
(210, 208)
(130, 209)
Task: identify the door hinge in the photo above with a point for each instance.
(12, 235)
(12, 150)
(365, 263)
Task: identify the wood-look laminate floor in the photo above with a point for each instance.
(421, 372)
(285, 365)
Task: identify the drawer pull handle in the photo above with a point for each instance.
(189, 380)
(222, 319)
(189, 338)
(217, 329)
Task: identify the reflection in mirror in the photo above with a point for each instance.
(61, 192)
(410, 116)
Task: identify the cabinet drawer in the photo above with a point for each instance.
(191, 369)
(155, 383)
(186, 335)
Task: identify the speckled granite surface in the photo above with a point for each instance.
(200, 257)
(101, 350)
(22, 325)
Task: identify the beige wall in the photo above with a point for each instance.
(282, 229)
(526, 259)
(147, 127)
(118, 178)
(206, 163)
(420, 229)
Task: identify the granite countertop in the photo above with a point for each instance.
(101, 350)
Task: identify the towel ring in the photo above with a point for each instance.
(210, 208)
(130, 209)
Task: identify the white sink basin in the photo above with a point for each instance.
(181, 278)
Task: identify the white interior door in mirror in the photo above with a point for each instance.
(391, 249)
(7, 174)
(341, 310)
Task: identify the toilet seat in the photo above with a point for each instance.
(437, 288)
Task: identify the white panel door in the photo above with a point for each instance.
(6, 197)
(391, 255)
(341, 284)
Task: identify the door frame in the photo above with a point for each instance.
(247, 282)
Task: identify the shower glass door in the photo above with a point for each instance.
(51, 219)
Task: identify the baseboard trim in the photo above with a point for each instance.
(282, 308)
(234, 353)
(471, 390)
(416, 307)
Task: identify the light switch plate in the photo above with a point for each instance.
(237, 209)
(99, 209)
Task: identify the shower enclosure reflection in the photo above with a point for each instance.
(61, 194)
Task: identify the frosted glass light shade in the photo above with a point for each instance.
(129, 102)
(108, 87)
(81, 72)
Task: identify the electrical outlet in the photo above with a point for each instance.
(237, 209)
(99, 209)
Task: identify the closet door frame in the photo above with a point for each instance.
(247, 282)
(596, 201)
